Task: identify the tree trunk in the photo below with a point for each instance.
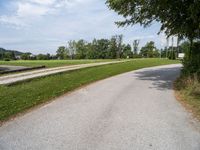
(190, 50)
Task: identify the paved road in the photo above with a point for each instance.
(132, 111)
(13, 78)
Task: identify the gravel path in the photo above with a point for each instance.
(13, 78)
(132, 111)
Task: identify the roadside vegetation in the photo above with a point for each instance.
(20, 97)
(188, 92)
(187, 86)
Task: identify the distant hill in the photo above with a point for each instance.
(2, 50)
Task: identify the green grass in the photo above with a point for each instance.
(20, 97)
(188, 92)
(50, 63)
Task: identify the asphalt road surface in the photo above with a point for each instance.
(132, 111)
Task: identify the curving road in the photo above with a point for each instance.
(132, 111)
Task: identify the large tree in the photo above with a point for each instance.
(149, 50)
(81, 49)
(177, 17)
(61, 53)
(71, 49)
(127, 53)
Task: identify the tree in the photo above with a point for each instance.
(185, 46)
(71, 49)
(177, 18)
(48, 56)
(1, 53)
(149, 50)
(43, 57)
(191, 65)
(101, 48)
(61, 53)
(81, 49)
(9, 55)
(180, 18)
(127, 53)
(113, 48)
(25, 56)
(98, 49)
(135, 46)
(119, 39)
(91, 53)
(164, 52)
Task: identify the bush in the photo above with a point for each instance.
(172, 55)
(136, 56)
(188, 91)
(191, 61)
(6, 59)
(190, 83)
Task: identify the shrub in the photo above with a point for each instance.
(6, 59)
(191, 61)
(190, 83)
(172, 55)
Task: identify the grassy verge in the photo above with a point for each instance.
(188, 92)
(50, 63)
(20, 97)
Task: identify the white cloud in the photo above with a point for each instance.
(142, 37)
(29, 10)
(43, 2)
(40, 21)
(12, 21)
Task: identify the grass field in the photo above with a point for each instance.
(50, 63)
(20, 97)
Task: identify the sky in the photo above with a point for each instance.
(41, 26)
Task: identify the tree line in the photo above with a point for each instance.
(97, 49)
(113, 48)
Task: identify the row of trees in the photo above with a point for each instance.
(29, 56)
(100, 49)
(97, 49)
(106, 49)
(7, 55)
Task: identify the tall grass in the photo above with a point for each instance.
(188, 89)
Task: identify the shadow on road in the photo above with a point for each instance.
(162, 79)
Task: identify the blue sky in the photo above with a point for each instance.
(40, 26)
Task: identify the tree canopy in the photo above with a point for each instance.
(177, 17)
(149, 50)
(97, 49)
